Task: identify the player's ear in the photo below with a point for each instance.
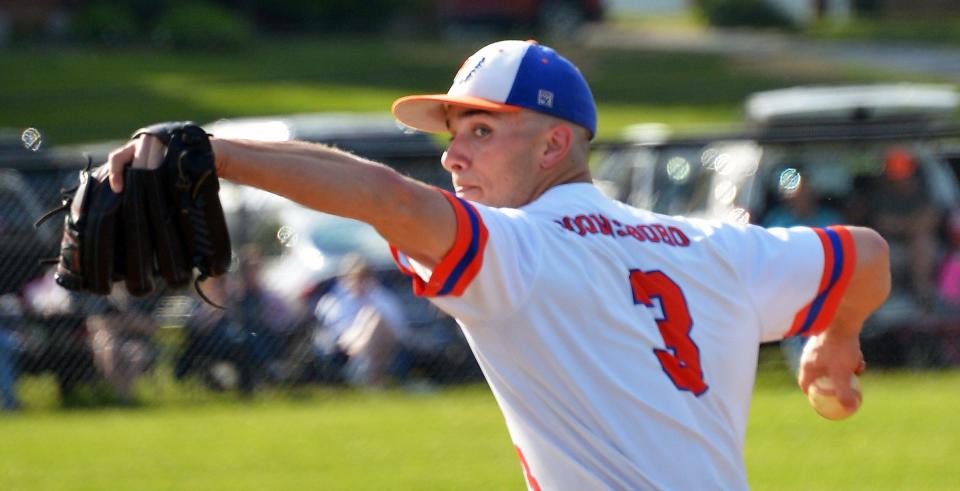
(558, 141)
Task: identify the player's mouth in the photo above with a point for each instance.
(463, 191)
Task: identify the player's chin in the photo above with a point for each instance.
(470, 193)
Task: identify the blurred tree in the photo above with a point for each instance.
(201, 25)
(867, 7)
(207, 23)
(742, 13)
(321, 17)
(166, 23)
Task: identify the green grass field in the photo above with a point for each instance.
(905, 438)
(79, 94)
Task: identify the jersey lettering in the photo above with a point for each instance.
(681, 358)
(584, 223)
(598, 224)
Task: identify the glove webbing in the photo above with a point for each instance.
(196, 218)
(66, 199)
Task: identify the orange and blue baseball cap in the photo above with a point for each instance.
(507, 76)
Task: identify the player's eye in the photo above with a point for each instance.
(481, 131)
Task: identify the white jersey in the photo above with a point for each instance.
(621, 345)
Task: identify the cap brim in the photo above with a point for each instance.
(428, 112)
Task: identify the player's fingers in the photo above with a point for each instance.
(806, 377)
(155, 155)
(140, 153)
(843, 390)
(861, 367)
(117, 160)
(149, 152)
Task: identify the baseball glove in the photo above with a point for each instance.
(166, 223)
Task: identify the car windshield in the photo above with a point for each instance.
(842, 176)
(742, 179)
(689, 178)
(335, 236)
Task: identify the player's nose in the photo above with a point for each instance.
(454, 159)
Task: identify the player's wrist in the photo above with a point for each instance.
(841, 333)
(219, 155)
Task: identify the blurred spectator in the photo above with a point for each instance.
(215, 346)
(800, 206)
(10, 316)
(948, 278)
(58, 340)
(362, 322)
(120, 330)
(242, 344)
(268, 321)
(903, 213)
(43, 296)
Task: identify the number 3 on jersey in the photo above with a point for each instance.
(681, 359)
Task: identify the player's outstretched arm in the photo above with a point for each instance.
(411, 215)
(836, 351)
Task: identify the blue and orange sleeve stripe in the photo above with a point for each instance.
(461, 264)
(839, 259)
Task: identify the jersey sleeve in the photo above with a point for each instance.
(489, 269)
(794, 276)
(839, 260)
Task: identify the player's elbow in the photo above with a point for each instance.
(419, 221)
(873, 263)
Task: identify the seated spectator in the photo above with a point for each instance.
(10, 317)
(242, 345)
(904, 214)
(801, 206)
(362, 321)
(215, 343)
(948, 278)
(121, 332)
(263, 314)
(59, 342)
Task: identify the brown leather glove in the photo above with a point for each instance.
(167, 222)
(88, 259)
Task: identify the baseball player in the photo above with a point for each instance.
(621, 345)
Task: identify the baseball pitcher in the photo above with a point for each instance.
(621, 345)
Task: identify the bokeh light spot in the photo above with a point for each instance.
(287, 236)
(31, 139)
(678, 169)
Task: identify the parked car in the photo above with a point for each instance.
(372, 135)
(304, 248)
(841, 145)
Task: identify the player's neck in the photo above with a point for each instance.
(578, 174)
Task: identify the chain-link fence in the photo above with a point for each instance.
(311, 300)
